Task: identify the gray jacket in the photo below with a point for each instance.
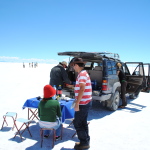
(58, 76)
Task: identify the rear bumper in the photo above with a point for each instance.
(103, 97)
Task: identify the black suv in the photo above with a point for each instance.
(102, 69)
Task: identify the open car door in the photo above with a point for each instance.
(135, 77)
(147, 75)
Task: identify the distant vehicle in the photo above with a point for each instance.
(101, 66)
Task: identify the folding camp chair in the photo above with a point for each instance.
(54, 134)
(9, 114)
(25, 122)
(71, 123)
(32, 114)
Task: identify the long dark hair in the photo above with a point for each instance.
(46, 99)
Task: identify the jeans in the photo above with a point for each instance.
(80, 124)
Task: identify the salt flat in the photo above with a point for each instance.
(124, 129)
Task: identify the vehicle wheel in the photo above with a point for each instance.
(115, 101)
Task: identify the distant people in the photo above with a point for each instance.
(58, 75)
(23, 65)
(36, 64)
(83, 96)
(122, 79)
(32, 64)
(49, 112)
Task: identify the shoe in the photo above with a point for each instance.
(58, 137)
(46, 136)
(80, 147)
(121, 106)
(77, 143)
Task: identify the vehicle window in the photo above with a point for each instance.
(135, 69)
(88, 64)
(146, 69)
(114, 71)
(125, 69)
(100, 64)
(95, 64)
(114, 68)
(111, 68)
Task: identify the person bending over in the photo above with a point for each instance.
(58, 75)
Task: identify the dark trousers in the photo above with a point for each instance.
(80, 124)
(123, 92)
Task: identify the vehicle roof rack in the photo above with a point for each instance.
(110, 55)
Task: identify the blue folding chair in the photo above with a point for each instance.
(26, 123)
(13, 115)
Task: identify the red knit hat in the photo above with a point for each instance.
(49, 91)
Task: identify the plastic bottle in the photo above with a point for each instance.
(54, 97)
(58, 98)
(59, 91)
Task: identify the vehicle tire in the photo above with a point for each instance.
(115, 101)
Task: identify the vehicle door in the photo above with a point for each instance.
(135, 76)
(88, 57)
(147, 75)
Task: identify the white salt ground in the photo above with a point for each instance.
(124, 129)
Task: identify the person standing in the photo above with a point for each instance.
(83, 96)
(122, 79)
(49, 112)
(23, 65)
(58, 75)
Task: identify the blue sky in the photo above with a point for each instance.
(36, 30)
